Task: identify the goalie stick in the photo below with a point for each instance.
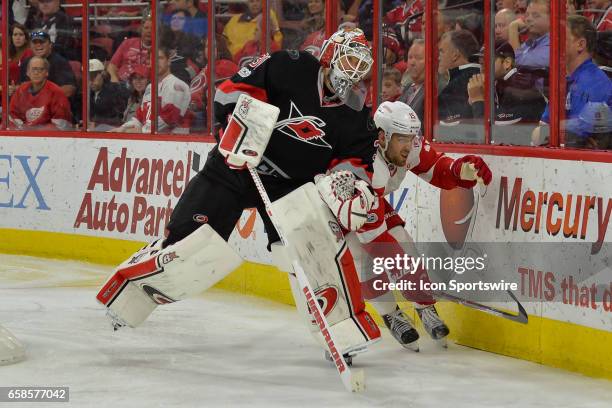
(354, 381)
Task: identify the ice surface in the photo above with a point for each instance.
(223, 350)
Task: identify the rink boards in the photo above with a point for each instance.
(99, 199)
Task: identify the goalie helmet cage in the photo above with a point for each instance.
(11, 350)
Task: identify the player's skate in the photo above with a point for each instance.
(432, 323)
(402, 329)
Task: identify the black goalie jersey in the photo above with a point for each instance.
(312, 134)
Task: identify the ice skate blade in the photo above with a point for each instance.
(115, 321)
(442, 343)
(414, 346)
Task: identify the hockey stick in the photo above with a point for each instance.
(520, 317)
(353, 381)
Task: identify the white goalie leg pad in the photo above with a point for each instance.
(315, 240)
(155, 276)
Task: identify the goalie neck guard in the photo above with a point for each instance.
(347, 54)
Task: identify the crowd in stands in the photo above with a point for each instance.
(521, 61)
(45, 41)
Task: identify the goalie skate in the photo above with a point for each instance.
(402, 329)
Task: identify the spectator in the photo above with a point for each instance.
(471, 22)
(107, 100)
(587, 85)
(314, 27)
(504, 4)
(408, 17)
(603, 52)
(19, 51)
(224, 69)
(242, 28)
(314, 17)
(121, 11)
(39, 103)
(18, 11)
(391, 85)
(455, 50)
(186, 48)
(446, 23)
(392, 47)
(196, 23)
(60, 27)
(517, 111)
(173, 115)
(570, 7)
(60, 72)
(503, 18)
(414, 94)
(602, 18)
(132, 52)
(252, 49)
(349, 10)
(520, 7)
(534, 53)
(139, 79)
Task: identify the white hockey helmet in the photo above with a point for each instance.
(397, 117)
(349, 58)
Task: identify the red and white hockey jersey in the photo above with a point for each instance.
(400, 15)
(173, 115)
(46, 109)
(425, 162)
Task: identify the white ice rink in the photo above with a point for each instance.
(223, 350)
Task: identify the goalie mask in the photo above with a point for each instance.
(396, 117)
(349, 58)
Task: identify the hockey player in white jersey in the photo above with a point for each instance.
(173, 115)
(401, 149)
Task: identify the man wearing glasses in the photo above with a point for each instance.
(39, 103)
(60, 71)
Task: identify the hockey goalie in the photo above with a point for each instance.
(288, 131)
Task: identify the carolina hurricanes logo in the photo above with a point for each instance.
(157, 296)
(306, 129)
(327, 297)
(198, 83)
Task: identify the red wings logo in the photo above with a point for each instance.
(306, 129)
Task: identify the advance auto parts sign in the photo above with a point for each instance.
(133, 193)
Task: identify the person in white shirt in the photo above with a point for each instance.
(172, 113)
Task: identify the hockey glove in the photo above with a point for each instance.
(470, 169)
(348, 199)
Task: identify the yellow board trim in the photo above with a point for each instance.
(546, 341)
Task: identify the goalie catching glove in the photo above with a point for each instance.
(471, 169)
(349, 199)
